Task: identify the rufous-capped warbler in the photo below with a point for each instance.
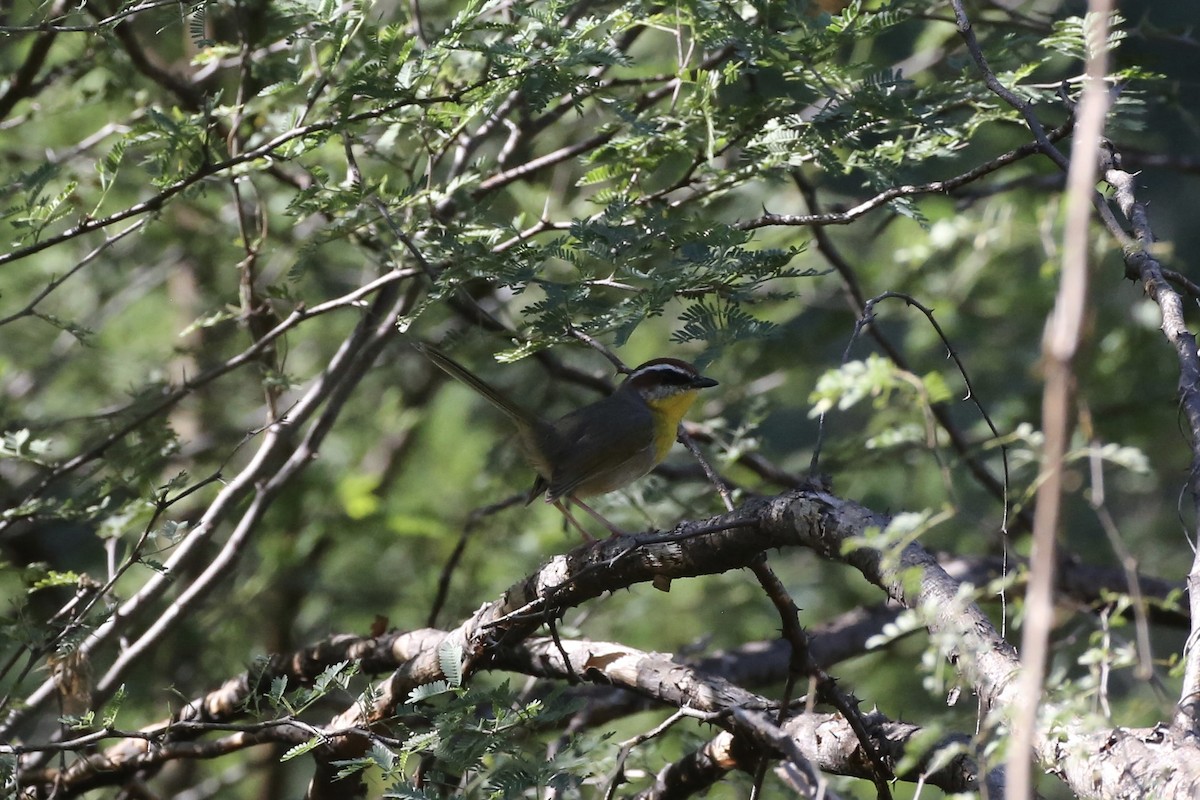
(603, 446)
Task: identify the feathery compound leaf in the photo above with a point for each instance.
(302, 749)
(407, 792)
(720, 324)
(512, 779)
(197, 26)
(1073, 36)
(336, 675)
(450, 656)
(428, 690)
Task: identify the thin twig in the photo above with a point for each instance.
(473, 521)
(802, 663)
(907, 190)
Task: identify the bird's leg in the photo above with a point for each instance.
(587, 537)
(612, 529)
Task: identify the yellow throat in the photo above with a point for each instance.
(668, 411)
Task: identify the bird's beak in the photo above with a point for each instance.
(702, 382)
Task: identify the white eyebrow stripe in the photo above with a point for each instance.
(663, 368)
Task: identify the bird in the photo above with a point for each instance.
(600, 447)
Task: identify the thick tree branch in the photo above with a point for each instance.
(1096, 762)
(1141, 264)
(826, 524)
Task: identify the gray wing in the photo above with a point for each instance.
(595, 459)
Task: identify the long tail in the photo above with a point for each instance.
(486, 390)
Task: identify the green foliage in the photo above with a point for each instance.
(52, 579)
(108, 718)
(19, 444)
(282, 702)
(450, 658)
(902, 401)
(901, 530)
(483, 737)
(1073, 37)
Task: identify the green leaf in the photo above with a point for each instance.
(20, 444)
(302, 749)
(52, 579)
(428, 690)
(450, 659)
(113, 707)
